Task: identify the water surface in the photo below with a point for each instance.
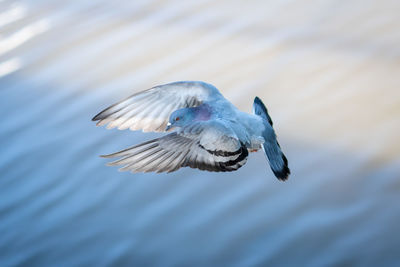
(328, 71)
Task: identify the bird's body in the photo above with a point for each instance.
(209, 132)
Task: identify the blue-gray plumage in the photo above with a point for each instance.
(207, 131)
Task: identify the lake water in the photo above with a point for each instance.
(328, 71)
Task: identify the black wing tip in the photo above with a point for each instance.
(283, 174)
(264, 113)
(258, 101)
(97, 117)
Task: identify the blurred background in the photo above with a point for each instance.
(328, 71)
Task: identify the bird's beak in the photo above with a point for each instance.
(168, 127)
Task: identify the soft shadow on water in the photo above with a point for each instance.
(332, 91)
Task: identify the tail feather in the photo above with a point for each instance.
(277, 160)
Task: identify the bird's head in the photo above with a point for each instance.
(180, 118)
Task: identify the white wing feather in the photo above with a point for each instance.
(149, 110)
(209, 146)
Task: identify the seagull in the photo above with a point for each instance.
(205, 130)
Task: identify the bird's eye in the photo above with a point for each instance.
(177, 118)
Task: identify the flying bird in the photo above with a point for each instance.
(205, 130)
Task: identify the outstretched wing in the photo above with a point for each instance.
(206, 146)
(149, 110)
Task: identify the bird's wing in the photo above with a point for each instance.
(207, 146)
(149, 110)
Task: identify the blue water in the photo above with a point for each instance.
(61, 206)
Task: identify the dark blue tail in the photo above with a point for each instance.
(271, 147)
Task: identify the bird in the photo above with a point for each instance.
(204, 130)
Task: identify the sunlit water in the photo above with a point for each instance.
(329, 72)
